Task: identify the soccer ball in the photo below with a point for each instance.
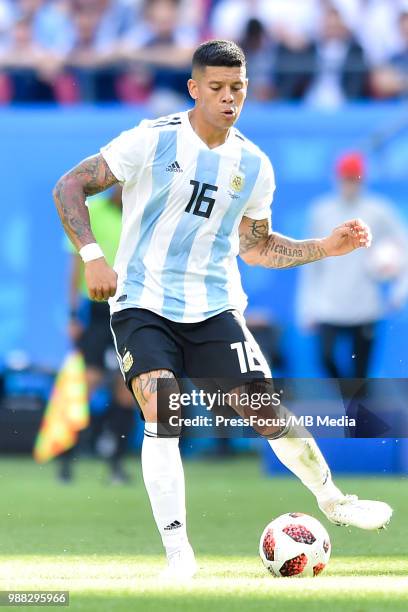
(295, 544)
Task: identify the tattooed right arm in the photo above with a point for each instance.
(91, 176)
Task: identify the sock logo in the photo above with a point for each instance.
(173, 525)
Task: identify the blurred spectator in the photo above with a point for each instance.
(6, 21)
(115, 18)
(194, 14)
(292, 25)
(28, 70)
(295, 60)
(375, 24)
(162, 27)
(391, 80)
(268, 334)
(287, 19)
(50, 22)
(229, 18)
(341, 69)
(282, 18)
(342, 297)
(84, 49)
(163, 45)
(88, 61)
(259, 51)
(94, 339)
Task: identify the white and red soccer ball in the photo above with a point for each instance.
(295, 544)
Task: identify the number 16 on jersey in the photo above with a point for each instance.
(203, 204)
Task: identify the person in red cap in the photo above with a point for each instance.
(351, 167)
(341, 298)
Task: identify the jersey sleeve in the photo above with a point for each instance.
(125, 153)
(260, 203)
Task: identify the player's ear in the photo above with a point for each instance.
(192, 88)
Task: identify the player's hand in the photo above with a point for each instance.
(347, 237)
(101, 279)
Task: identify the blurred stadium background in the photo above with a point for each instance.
(326, 78)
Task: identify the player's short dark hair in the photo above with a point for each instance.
(218, 53)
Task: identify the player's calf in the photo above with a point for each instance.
(256, 402)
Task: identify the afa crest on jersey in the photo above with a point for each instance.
(237, 182)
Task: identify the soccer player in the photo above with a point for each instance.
(196, 193)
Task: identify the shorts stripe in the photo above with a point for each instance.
(116, 350)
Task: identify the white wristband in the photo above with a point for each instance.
(91, 251)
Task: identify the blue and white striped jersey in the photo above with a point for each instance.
(182, 205)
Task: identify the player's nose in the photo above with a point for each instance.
(228, 96)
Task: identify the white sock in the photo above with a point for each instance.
(303, 457)
(164, 480)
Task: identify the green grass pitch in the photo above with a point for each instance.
(100, 543)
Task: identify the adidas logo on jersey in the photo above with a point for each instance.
(173, 525)
(174, 167)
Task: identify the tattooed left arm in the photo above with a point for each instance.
(257, 247)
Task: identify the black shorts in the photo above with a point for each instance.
(220, 348)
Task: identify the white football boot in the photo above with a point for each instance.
(354, 512)
(181, 565)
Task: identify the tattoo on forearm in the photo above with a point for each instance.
(281, 252)
(91, 176)
(256, 232)
(274, 250)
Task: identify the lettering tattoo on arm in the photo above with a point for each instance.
(282, 252)
(275, 250)
(91, 176)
